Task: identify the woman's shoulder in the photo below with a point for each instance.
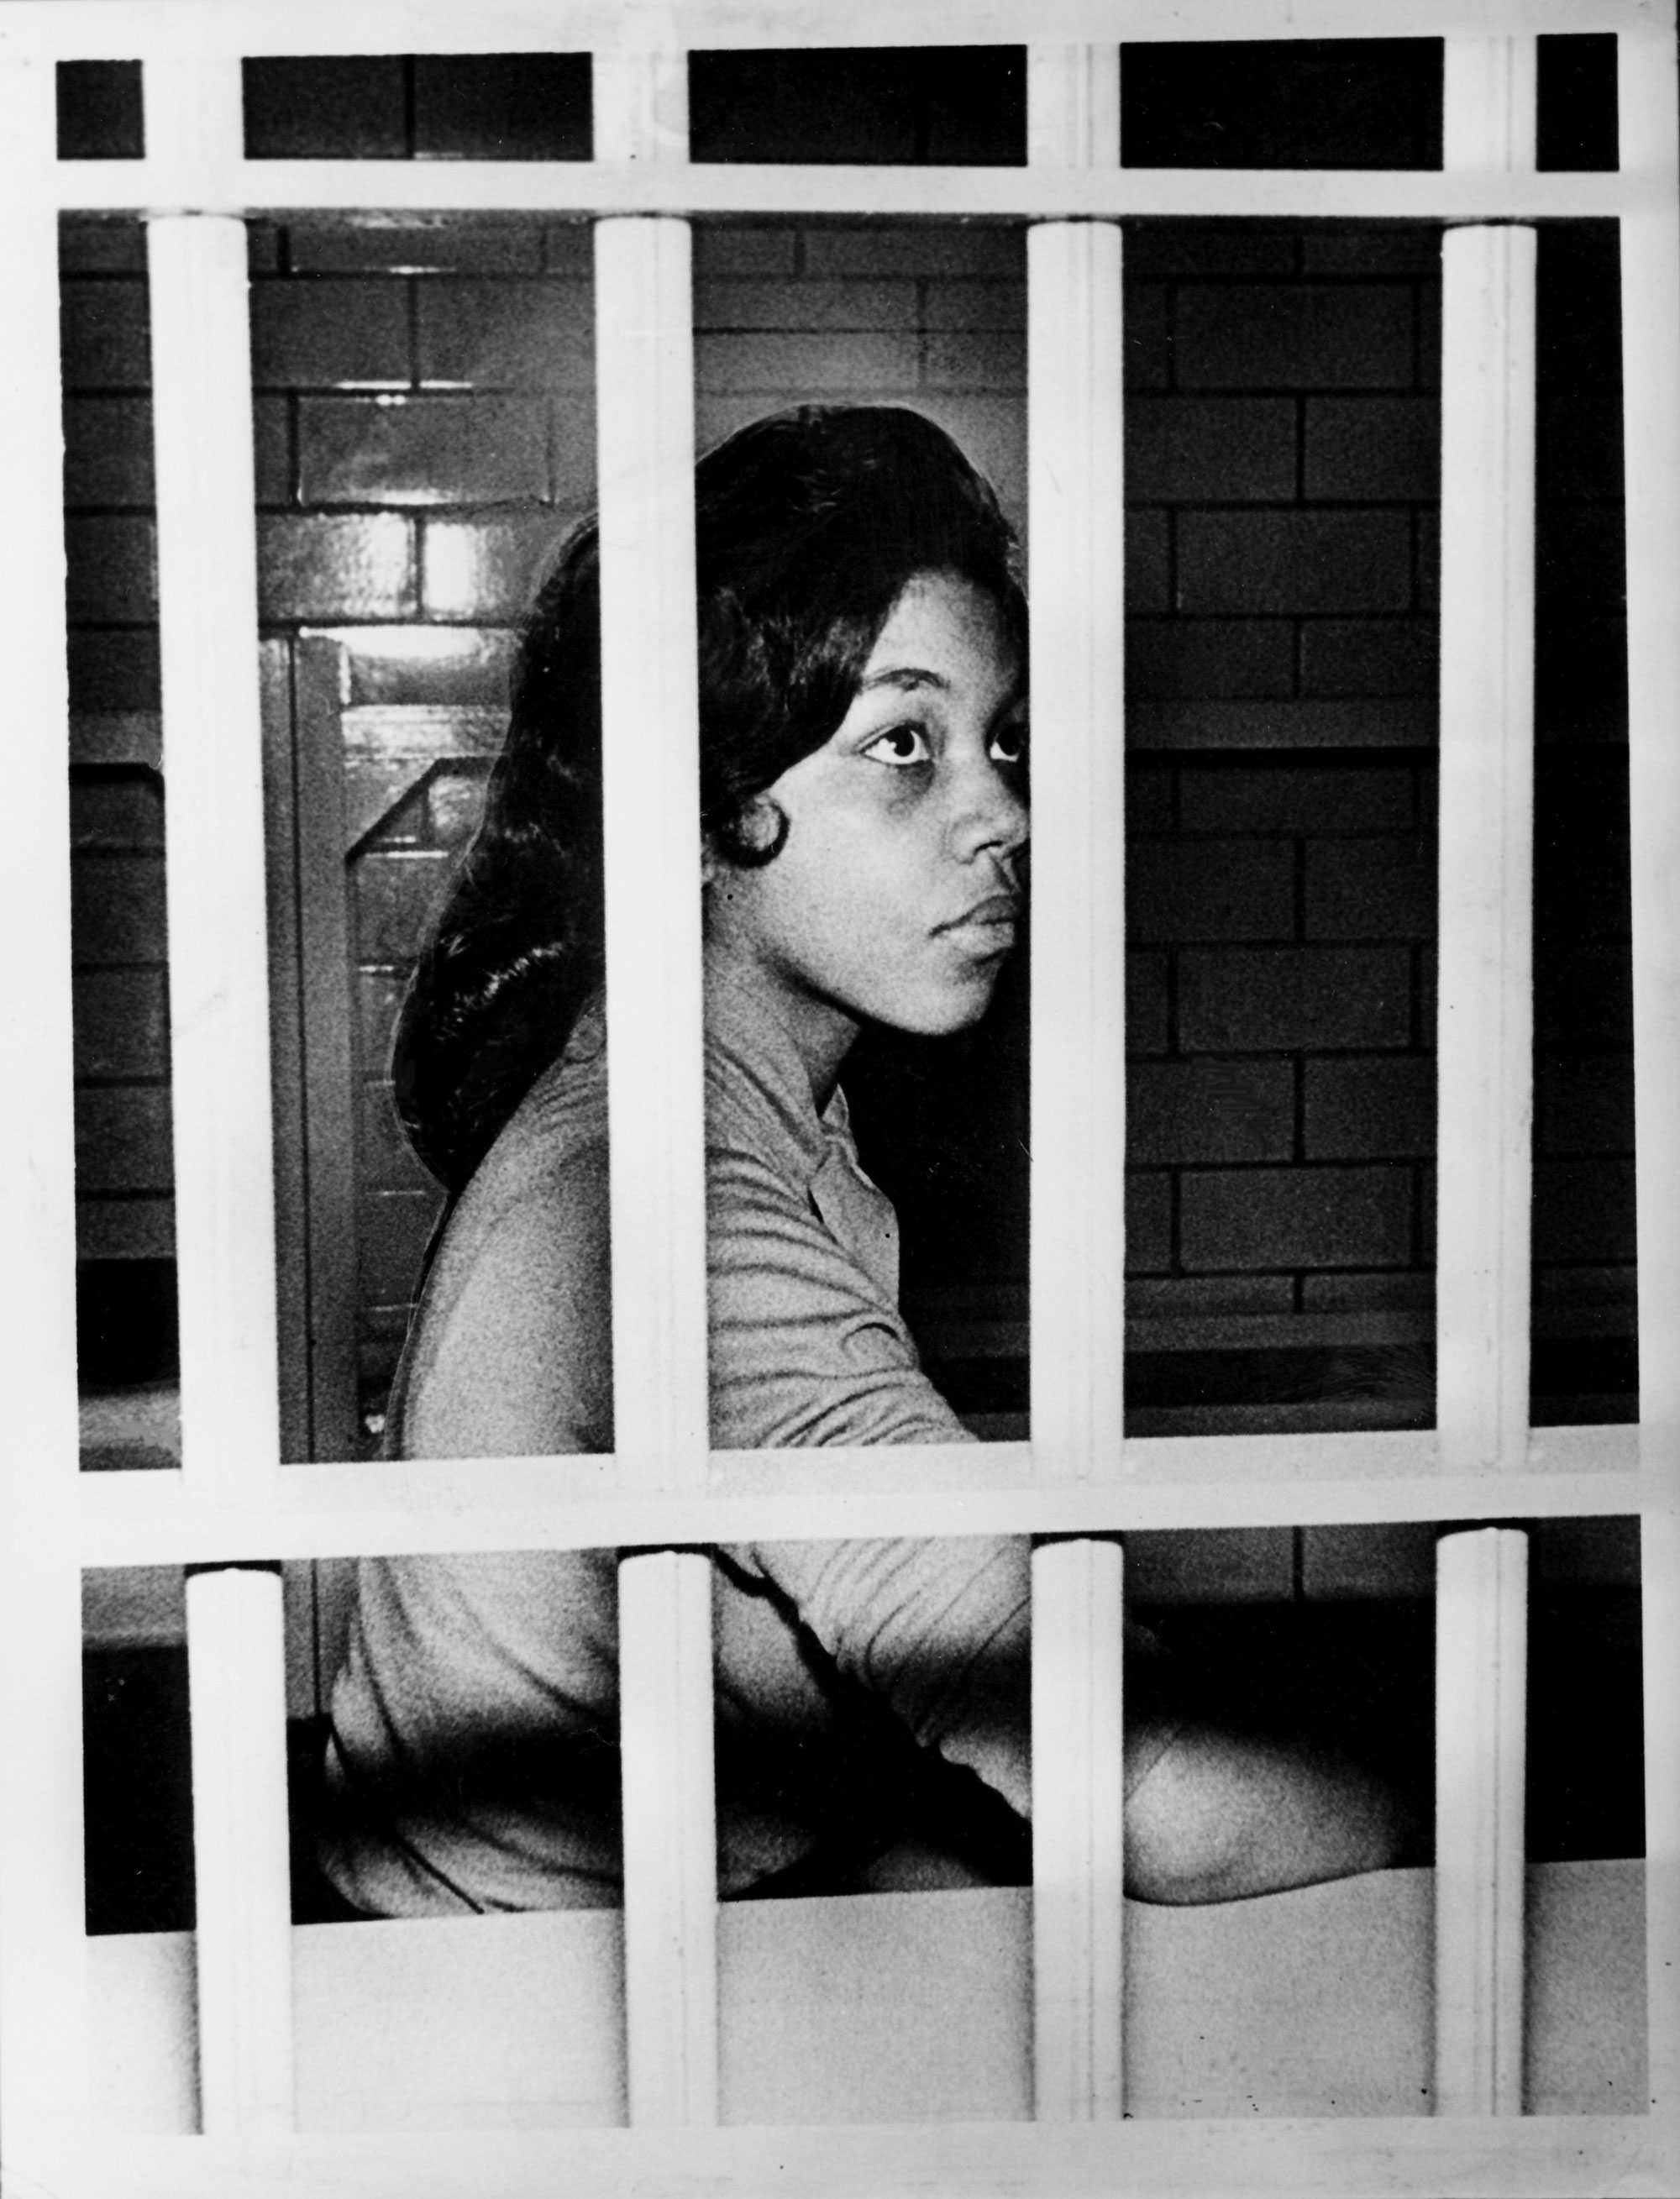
(511, 1350)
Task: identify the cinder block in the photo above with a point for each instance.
(105, 334)
(125, 812)
(330, 332)
(722, 248)
(1371, 889)
(1334, 248)
(1583, 566)
(1372, 450)
(123, 1138)
(1294, 562)
(1295, 798)
(1429, 335)
(1147, 363)
(1149, 797)
(1585, 1104)
(117, 911)
(444, 245)
(1395, 656)
(975, 106)
(965, 304)
(1395, 1560)
(1210, 1564)
(1209, 248)
(458, 664)
(1215, 449)
(1306, 335)
(1275, 999)
(107, 452)
(790, 367)
(1427, 560)
(1149, 1220)
(113, 669)
(975, 359)
(1210, 1111)
(738, 304)
(1146, 561)
(350, 107)
(851, 104)
(277, 476)
(87, 246)
(1295, 1218)
(502, 107)
(322, 567)
(127, 1228)
(486, 568)
(1584, 1209)
(1396, 1291)
(1584, 996)
(1357, 1110)
(973, 248)
(394, 1226)
(111, 570)
(1201, 658)
(120, 1023)
(396, 897)
(1592, 1552)
(568, 248)
(484, 335)
(1195, 1298)
(1183, 890)
(422, 451)
(1145, 1003)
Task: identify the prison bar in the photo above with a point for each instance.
(1653, 357)
(1076, 527)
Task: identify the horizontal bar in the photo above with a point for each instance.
(559, 187)
(502, 1504)
(116, 29)
(1400, 2157)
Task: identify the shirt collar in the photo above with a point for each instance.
(743, 1031)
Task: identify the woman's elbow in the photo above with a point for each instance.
(1219, 1816)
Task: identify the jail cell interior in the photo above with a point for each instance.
(703, 1981)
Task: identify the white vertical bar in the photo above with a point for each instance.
(212, 761)
(1078, 1831)
(1486, 1042)
(43, 2037)
(1076, 539)
(1481, 1663)
(1649, 119)
(236, 1683)
(1076, 523)
(645, 400)
(670, 1867)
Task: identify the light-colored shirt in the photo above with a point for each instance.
(475, 1760)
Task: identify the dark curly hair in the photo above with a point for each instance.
(809, 526)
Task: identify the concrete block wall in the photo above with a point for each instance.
(424, 429)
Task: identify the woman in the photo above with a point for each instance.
(863, 799)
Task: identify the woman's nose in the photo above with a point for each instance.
(992, 812)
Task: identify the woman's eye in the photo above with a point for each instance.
(1009, 744)
(899, 745)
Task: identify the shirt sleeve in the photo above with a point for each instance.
(807, 1347)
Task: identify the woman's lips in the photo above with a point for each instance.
(987, 927)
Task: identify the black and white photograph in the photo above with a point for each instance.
(844, 1079)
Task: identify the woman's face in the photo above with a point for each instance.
(893, 897)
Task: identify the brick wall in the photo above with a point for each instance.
(424, 431)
